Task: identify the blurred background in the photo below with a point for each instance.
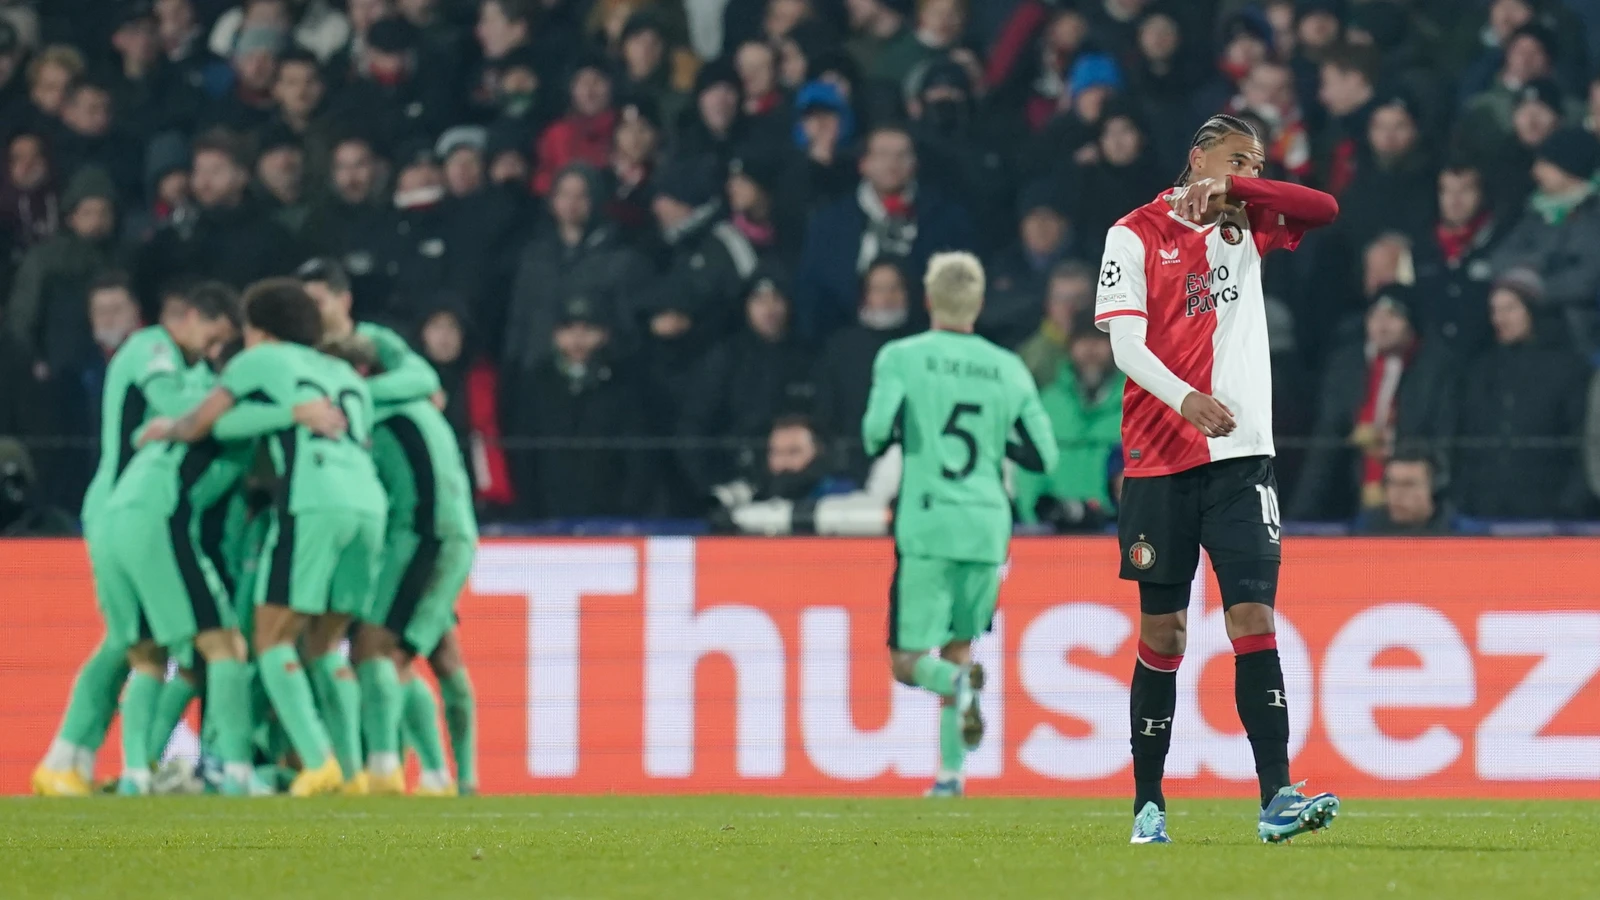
(652, 246)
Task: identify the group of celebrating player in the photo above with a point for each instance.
(258, 502)
(312, 483)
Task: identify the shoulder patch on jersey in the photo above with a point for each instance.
(160, 359)
(1110, 274)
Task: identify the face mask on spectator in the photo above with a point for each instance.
(947, 116)
(883, 319)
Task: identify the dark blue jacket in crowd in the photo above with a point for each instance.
(828, 284)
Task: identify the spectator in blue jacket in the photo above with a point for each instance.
(890, 215)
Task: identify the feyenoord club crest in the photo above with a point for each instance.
(1141, 554)
(1231, 233)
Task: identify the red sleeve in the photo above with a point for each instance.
(1281, 213)
(1014, 40)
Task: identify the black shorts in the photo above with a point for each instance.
(1228, 507)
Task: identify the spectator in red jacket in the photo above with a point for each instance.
(584, 133)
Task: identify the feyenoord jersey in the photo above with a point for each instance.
(1199, 288)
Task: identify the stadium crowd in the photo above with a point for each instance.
(653, 246)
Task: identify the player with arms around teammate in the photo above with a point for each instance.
(326, 531)
(429, 542)
(1180, 293)
(159, 371)
(958, 406)
(406, 375)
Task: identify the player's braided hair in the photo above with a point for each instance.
(1212, 132)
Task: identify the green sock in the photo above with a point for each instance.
(138, 709)
(228, 708)
(170, 706)
(290, 694)
(952, 748)
(93, 700)
(422, 720)
(461, 717)
(382, 705)
(339, 699)
(936, 675)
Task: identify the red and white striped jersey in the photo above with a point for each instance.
(1199, 288)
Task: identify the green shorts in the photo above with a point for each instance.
(113, 594)
(421, 580)
(319, 562)
(935, 601)
(158, 559)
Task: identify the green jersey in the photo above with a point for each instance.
(406, 375)
(958, 406)
(167, 477)
(314, 473)
(146, 378)
(419, 462)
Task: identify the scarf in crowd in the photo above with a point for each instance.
(1555, 209)
(1455, 242)
(891, 224)
(1376, 421)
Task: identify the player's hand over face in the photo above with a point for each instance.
(321, 417)
(1208, 414)
(1197, 201)
(158, 429)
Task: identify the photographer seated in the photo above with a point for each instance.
(798, 494)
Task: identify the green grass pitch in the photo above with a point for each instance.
(707, 847)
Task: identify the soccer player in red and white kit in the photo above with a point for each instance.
(1180, 293)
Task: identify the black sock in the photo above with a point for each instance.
(1150, 706)
(1264, 710)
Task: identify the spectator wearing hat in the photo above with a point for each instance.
(460, 152)
(824, 130)
(1557, 235)
(746, 380)
(1122, 177)
(281, 179)
(1070, 135)
(46, 313)
(646, 68)
(1530, 54)
(30, 200)
(392, 95)
(487, 224)
(577, 252)
(844, 367)
(714, 125)
(231, 239)
(576, 410)
(890, 215)
(1391, 389)
(1453, 268)
(1394, 188)
(166, 187)
(301, 94)
(1540, 111)
(244, 103)
(584, 133)
(697, 299)
(755, 209)
(967, 159)
(1530, 382)
(1019, 275)
(149, 93)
